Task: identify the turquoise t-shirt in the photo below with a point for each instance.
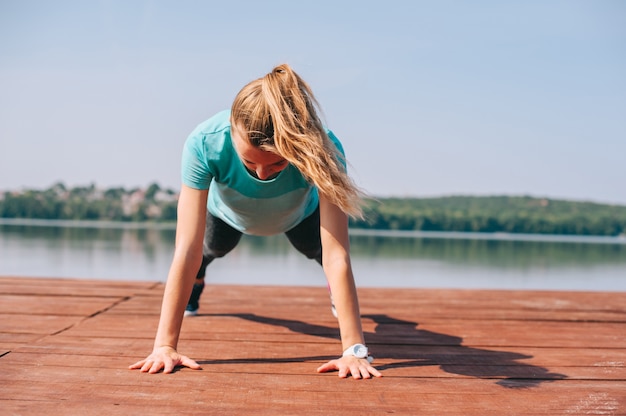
(247, 204)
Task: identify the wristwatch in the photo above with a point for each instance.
(359, 351)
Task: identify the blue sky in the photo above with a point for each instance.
(429, 98)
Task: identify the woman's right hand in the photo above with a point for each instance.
(164, 358)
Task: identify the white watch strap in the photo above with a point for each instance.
(350, 351)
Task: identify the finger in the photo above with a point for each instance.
(329, 366)
(147, 364)
(344, 371)
(168, 366)
(373, 371)
(355, 371)
(188, 362)
(137, 365)
(156, 367)
(364, 372)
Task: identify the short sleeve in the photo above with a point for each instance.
(195, 170)
(339, 146)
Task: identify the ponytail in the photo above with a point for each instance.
(278, 113)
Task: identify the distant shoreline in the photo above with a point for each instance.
(495, 236)
(38, 222)
(357, 232)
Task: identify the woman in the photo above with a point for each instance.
(266, 166)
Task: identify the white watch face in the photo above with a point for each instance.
(360, 351)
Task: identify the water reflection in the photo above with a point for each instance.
(116, 253)
(492, 253)
(145, 253)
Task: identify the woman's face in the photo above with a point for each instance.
(261, 164)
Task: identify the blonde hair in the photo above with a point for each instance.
(278, 114)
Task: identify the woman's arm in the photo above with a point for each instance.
(338, 270)
(187, 258)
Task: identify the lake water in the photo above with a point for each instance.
(411, 260)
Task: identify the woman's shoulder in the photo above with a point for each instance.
(207, 151)
(333, 138)
(217, 124)
(213, 134)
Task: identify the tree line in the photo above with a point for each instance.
(509, 214)
(91, 203)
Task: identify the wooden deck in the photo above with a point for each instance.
(65, 346)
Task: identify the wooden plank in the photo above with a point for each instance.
(76, 287)
(202, 392)
(269, 358)
(9, 342)
(429, 332)
(58, 351)
(427, 362)
(21, 338)
(36, 324)
(494, 305)
(57, 305)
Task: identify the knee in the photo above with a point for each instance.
(213, 251)
(314, 255)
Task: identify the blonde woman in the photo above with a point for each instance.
(265, 167)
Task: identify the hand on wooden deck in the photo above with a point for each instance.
(164, 358)
(350, 365)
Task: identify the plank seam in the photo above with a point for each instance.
(114, 304)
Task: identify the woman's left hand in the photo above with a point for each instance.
(357, 367)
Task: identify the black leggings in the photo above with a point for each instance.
(220, 238)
